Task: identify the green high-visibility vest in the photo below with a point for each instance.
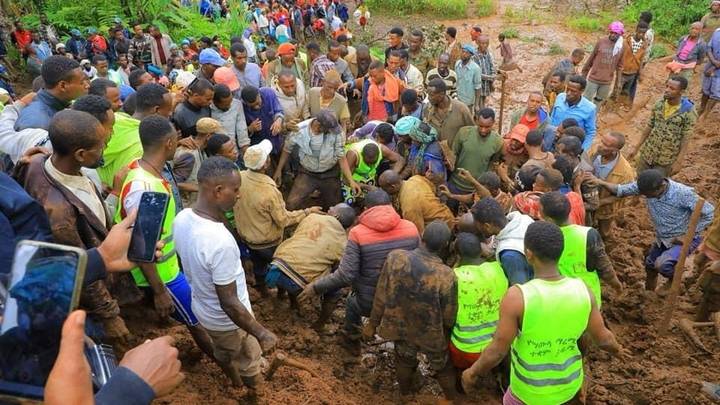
(573, 262)
(480, 290)
(364, 172)
(167, 265)
(546, 366)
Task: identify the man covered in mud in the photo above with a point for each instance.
(415, 306)
(670, 205)
(314, 249)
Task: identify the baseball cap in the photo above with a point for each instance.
(519, 133)
(286, 49)
(75, 32)
(84, 62)
(210, 56)
(224, 75)
(256, 155)
(209, 126)
(328, 121)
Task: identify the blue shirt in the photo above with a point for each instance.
(469, 79)
(39, 113)
(268, 113)
(42, 50)
(585, 112)
(252, 76)
(670, 212)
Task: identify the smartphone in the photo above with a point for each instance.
(148, 226)
(45, 284)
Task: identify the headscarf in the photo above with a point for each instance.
(422, 133)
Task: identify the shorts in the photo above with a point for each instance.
(406, 355)
(237, 350)
(461, 359)
(179, 290)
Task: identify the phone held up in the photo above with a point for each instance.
(148, 226)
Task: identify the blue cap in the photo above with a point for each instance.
(75, 32)
(469, 48)
(210, 56)
(92, 30)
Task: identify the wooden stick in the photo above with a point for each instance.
(680, 266)
(502, 104)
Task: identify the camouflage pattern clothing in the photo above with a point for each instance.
(423, 61)
(415, 300)
(667, 134)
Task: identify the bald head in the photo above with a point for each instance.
(344, 213)
(362, 50)
(467, 223)
(390, 181)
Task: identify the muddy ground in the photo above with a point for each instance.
(663, 370)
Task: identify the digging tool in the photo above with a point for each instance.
(680, 267)
(282, 359)
(502, 103)
(687, 327)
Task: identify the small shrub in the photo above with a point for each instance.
(533, 39)
(511, 33)
(555, 49)
(672, 18)
(485, 8)
(658, 51)
(525, 15)
(445, 8)
(584, 23)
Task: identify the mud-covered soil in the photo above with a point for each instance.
(662, 370)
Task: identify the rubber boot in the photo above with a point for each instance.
(651, 280)
(405, 377)
(447, 378)
(326, 311)
(254, 385)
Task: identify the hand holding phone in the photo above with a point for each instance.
(148, 226)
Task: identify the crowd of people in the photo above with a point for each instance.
(298, 162)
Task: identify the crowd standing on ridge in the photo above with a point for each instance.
(298, 162)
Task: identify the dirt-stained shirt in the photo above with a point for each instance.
(415, 300)
(420, 205)
(315, 247)
(260, 213)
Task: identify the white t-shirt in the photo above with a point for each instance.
(209, 256)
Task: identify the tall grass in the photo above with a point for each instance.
(485, 7)
(586, 23)
(440, 8)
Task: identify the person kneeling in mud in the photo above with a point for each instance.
(314, 249)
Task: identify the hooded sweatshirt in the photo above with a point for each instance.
(295, 107)
(380, 231)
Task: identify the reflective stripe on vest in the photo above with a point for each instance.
(480, 290)
(573, 262)
(364, 172)
(167, 265)
(546, 366)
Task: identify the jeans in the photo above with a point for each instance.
(662, 260)
(629, 85)
(548, 144)
(596, 92)
(261, 258)
(516, 268)
(354, 311)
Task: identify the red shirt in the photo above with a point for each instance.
(530, 124)
(577, 208)
(22, 39)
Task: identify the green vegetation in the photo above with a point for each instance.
(485, 7)
(533, 39)
(179, 22)
(524, 15)
(511, 32)
(586, 23)
(444, 8)
(555, 49)
(672, 18)
(658, 51)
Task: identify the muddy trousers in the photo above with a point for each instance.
(354, 311)
(406, 364)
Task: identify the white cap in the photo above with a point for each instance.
(256, 155)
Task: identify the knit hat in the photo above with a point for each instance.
(286, 49)
(616, 27)
(209, 126)
(75, 32)
(225, 75)
(256, 155)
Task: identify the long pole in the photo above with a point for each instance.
(502, 104)
(680, 267)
